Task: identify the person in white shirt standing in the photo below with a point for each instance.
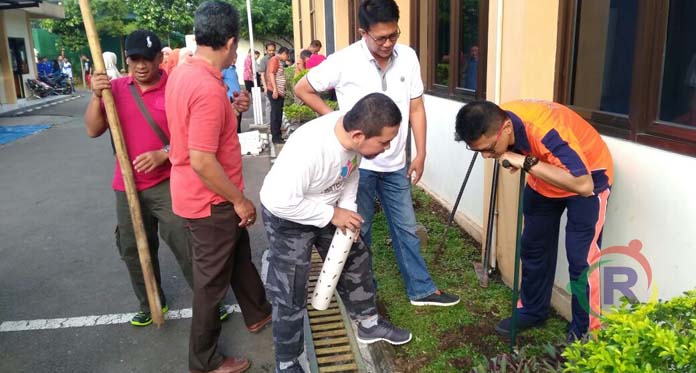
(308, 194)
(376, 63)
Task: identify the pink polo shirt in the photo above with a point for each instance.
(137, 133)
(200, 118)
(314, 60)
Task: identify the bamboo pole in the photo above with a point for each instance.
(127, 172)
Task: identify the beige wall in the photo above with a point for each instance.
(297, 40)
(301, 10)
(341, 29)
(341, 24)
(7, 91)
(527, 69)
(405, 21)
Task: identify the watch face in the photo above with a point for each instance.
(529, 162)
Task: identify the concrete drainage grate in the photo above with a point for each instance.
(334, 344)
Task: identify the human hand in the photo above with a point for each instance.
(241, 101)
(417, 167)
(246, 212)
(345, 219)
(516, 161)
(148, 161)
(275, 94)
(100, 82)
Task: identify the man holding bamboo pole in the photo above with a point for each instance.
(207, 187)
(139, 101)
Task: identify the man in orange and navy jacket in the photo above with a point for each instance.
(569, 168)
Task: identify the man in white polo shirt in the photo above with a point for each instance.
(377, 64)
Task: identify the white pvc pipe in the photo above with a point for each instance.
(331, 271)
(256, 90)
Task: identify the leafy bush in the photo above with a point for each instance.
(299, 76)
(298, 114)
(290, 85)
(652, 337)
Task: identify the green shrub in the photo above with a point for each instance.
(289, 85)
(299, 76)
(298, 114)
(652, 337)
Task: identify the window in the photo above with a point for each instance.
(312, 20)
(629, 67)
(457, 35)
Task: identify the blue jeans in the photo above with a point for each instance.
(394, 192)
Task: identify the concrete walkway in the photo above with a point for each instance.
(65, 291)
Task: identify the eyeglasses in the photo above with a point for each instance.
(490, 149)
(383, 39)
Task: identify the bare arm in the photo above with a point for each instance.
(419, 127)
(213, 176)
(95, 119)
(310, 97)
(263, 80)
(556, 176)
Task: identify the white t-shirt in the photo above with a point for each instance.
(67, 69)
(354, 73)
(312, 174)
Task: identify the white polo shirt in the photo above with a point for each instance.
(354, 73)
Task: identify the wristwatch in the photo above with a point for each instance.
(166, 149)
(529, 162)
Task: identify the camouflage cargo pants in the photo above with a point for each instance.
(288, 276)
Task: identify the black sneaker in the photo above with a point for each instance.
(383, 331)
(504, 327)
(145, 318)
(295, 367)
(222, 312)
(437, 298)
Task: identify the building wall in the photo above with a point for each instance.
(446, 164)
(15, 26)
(656, 210)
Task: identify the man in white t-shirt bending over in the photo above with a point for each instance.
(376, 63)
(309, 193)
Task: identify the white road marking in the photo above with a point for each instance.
(84, 321)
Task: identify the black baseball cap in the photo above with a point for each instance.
(143, 43)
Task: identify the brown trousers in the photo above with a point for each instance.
(221, 258)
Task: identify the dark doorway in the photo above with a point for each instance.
(20, 64)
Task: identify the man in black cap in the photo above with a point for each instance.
(139, 102)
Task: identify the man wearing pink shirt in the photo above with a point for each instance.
(148, 152)
(316, 58)
(208, 187)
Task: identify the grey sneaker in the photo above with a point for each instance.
(383, 331)
(437, 298)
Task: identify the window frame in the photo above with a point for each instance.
(452, 91)
(642, 124)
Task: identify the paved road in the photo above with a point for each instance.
(58, 260)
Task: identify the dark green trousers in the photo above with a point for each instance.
(156, 207)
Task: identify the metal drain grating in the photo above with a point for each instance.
(333, 347)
